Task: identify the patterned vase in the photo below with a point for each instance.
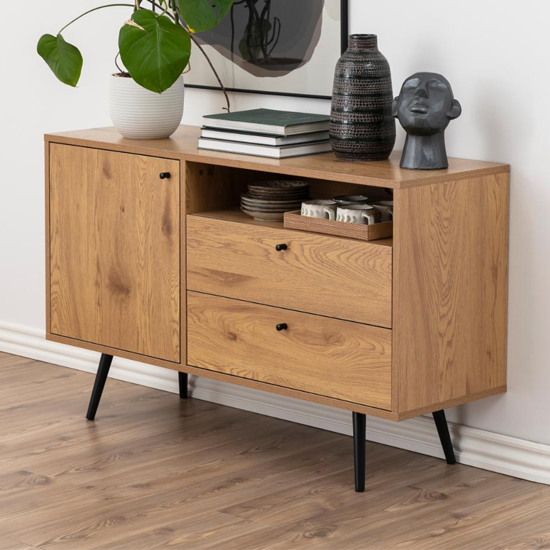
(361, 122)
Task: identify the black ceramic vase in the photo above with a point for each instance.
(361, 122)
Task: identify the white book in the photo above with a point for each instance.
(263, 139)
(265, 150)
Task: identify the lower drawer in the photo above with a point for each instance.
(319, 355)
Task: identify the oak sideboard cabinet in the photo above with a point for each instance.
(149, 258)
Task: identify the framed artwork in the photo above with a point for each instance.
(281, 47)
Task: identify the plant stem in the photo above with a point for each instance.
(117, 66)
(179, 18)
(95, 9)
(228, 108)
(164, 11)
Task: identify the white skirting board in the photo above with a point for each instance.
(479, 448)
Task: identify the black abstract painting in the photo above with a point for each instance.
(261, 42)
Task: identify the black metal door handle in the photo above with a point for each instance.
(281, 326)
(281, 247)
(165, 175)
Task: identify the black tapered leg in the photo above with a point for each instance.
(183, 380)
(359, 449)
(444, 436)
(99, 384)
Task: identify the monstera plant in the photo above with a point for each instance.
(154, 43)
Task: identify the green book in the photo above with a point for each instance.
(269, 121)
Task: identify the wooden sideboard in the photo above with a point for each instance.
(149, 258)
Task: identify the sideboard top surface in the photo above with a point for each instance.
(183, 145)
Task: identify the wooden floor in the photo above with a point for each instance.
(157, 472)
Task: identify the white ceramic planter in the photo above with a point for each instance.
(138, 113)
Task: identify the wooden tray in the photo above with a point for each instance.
(293, 220)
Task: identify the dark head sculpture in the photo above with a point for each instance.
(424, 108)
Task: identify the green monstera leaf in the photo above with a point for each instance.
(203, 15)
(64, 59)
(154, 50)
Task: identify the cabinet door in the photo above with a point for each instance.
(115, 250)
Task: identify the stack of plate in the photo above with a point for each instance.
(269, 200)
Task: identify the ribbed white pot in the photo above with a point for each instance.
(138, 113)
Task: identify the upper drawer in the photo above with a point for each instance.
(318, 274)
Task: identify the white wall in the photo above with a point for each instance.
(496, 55)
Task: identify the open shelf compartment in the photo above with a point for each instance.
(215, 191)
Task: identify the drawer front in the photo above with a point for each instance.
(318, 355)
(318, 274)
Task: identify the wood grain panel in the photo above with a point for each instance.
(450, 298)
(317, 273)
(238, 216)
(319, 355)
(47, 232)
(208, 187)
(183, 145)
(115, 250)
(290, 392)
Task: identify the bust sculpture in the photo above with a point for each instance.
(424, 108)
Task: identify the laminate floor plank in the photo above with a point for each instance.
(538, 541)
(14, 545)
(320, 495)
(209, 463)
(157, 472)
(508, 515)
(190, 498)
(382, 521)
(183, 533)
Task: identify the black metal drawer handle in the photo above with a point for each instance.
(281, 247)
(281, 326)
(165, 175)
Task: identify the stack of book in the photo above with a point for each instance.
(266, 133)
